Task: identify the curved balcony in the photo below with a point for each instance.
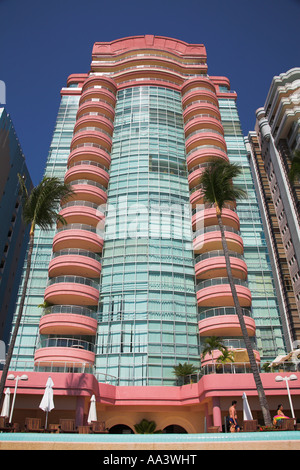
(92, 137)
(81, 212)
(77, 262)
(199, 94)
(195, 175)
(98, 92)
(216, 292)
(148, 73)
(241, 362)
(213, 264)
(200, 139)
(72, 290)
(227, 325)
(195, 82)
(94, 120)
(90, 115)
(88, 163)
(214, 228)
(201, 107)
(88, 190)
(96, 107)
(103, 81)
(201, 123)
(204, 314)
(61, 350)
(205, 155)
(211, 240)
(208, 216)
(196, 196)
(230, 205)
(206, 117)
(99, 129)
(238, 348)
(89, 153)
(68, 320)
(151, 60)
(88, 171)
(78, 236)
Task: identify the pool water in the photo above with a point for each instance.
(155, 438)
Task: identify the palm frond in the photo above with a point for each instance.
(146, 427)
(42, 205)
(182, 370)
(61, 219)
(212, 343)
(226, 356)
(217, 183)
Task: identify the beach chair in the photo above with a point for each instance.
(213, 429)
(84, 429)
(98, 427)
(67, 425)
(4, 425)
(250, 425)
(287, 424)
(53, 428)
(33, 425)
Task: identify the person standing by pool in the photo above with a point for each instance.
(234, 427)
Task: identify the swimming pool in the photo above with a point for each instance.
(152, 438)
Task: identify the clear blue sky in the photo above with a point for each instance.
(42, 42)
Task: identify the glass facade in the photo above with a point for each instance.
(42, 252)
(148, 313)
(265, 310)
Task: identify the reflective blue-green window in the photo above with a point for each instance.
(148, 313)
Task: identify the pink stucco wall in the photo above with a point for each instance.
(221, 385)
(187, 405)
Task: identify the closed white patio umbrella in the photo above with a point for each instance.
(47, 403)
(247, 415)
(92, 411)
(6, 403)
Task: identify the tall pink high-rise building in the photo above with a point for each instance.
(136, 280)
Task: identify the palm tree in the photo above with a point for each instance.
(226, 357)
(294, 173)
(211, 344)
(184, 370)
(40, 208)
(146, 427)
(218, 188)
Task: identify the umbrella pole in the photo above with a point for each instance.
(46, 419)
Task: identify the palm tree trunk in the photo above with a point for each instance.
(213, 361)
(260, 390)
(18, 321)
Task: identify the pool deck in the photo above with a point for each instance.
(280, 440)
